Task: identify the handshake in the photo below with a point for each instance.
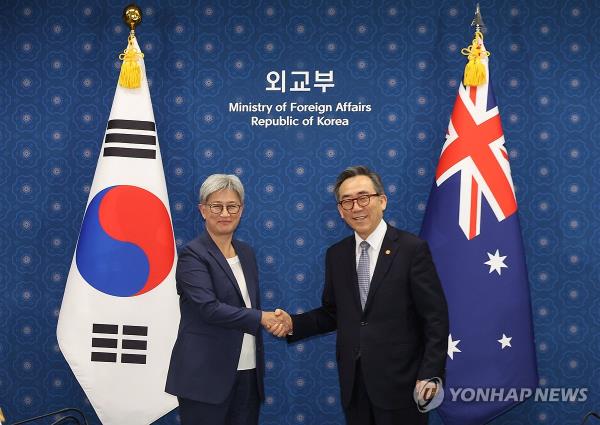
(278, 322)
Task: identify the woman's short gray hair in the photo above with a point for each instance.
(217, 182)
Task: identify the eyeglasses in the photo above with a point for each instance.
(362, 201)
(218, 208)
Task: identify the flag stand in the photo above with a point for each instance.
(61, 420)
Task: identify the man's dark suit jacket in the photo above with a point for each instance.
(401, 336)
(213, 322)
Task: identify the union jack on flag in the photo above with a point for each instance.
(475, 239)
(475, 148)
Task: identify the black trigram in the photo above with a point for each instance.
(147, 150)
(106, 337)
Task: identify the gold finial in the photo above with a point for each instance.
(132, 15)
(131, 73)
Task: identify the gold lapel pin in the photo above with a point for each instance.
(388, 252)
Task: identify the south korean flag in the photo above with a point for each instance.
(119, 316)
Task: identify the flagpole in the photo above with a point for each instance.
(475, 73)
(478, 20)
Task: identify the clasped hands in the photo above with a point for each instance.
(278, 322)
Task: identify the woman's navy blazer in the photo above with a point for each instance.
(213, 322)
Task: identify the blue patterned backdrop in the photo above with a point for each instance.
(58, 72)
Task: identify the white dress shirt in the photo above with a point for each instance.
(375, 240)
(248, 353)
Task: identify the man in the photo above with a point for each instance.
(383, 295)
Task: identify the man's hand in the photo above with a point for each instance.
(286, 321)
(426, 389)
(278, 323)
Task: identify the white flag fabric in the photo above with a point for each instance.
(119, 316)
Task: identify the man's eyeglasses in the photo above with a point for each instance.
(218, 208)
(362, 201)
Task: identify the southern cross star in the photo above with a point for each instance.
(452, 347)
(496, 262)
(505, 341)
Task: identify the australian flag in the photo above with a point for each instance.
(472, 226)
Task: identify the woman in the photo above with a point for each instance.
(217, 363)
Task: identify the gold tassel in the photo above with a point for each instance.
(131, 72)
(475, 70)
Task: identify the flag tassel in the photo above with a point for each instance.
(475, 74)
(131, 72)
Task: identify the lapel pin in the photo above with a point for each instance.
(388, 252)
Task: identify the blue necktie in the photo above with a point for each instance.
(363, 272)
